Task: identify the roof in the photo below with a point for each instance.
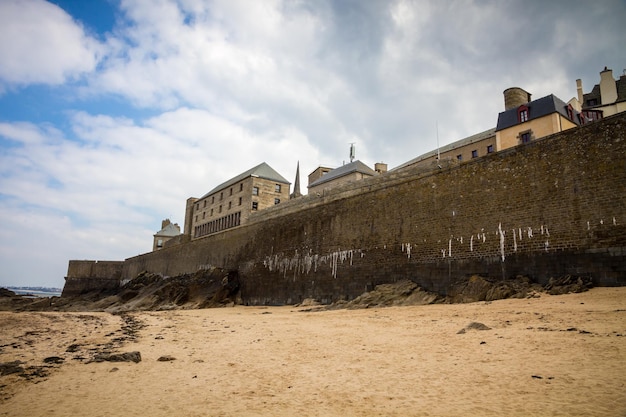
(262, 171)
(459, 143)
(537, 108)
(169, 230)
(342, 171)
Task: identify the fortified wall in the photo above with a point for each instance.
(85, 276)
(550, 208)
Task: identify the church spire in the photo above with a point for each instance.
(296, 185)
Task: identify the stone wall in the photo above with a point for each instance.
(550, 208)
(87, 276)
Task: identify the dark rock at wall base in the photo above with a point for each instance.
(568, 284)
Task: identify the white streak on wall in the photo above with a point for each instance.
(588, 226)
(449, 247)
(514, 241)
(472, 244)
(614, 222)
(520, 233)
(501, 232)
(530, 232)
(443, 253)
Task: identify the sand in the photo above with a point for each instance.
(548, 356)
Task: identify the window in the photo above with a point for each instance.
(489, 148)
(231, 191)
(592, 102)
(570, 112)
(239, 200)
(196, 217)
(474, 153)
(220, 209)
(255, 205)
(198, 206)
(255, 190)
(203, 214)
(159, 243)
(204, 203)
(277, 188)
(459, 157)
(276, 200)
(211, 212)
(240, 187)
(525, 137)
(522, 114)
(221, 195)
(230, 204)
(213, 200)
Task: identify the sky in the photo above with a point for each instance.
(114, 112)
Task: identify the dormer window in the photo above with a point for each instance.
(570, 112)
(522, 114)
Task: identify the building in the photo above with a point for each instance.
(474, 146)
(524, 120)
(231, 203)
(604, 99)
(324, 178)
(168, 231)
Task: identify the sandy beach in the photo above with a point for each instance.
(559, 355)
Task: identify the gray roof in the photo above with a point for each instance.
(169, 230)
(262, 171)
(342, 171)
(536, 109)
(461, 142)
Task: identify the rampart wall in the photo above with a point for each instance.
(85, 276)
(550, 208)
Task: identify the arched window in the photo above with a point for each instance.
(522, 114)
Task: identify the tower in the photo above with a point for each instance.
(296, 185)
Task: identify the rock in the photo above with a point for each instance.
(54, 359)
(473, 326)
(8, 368)
(4, 292)
(568, 284)
(166, 358)
(118, 357)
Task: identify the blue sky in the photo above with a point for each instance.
(114, 112)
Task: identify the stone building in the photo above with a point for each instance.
(474, 146)
(326, 178)
(604, 99)
(168, 231)
(231, 203)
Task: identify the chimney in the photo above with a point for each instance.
(165, 223)
(380, 167)
(579, 91)
(515, 97)
(608, 88)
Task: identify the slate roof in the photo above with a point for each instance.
(459, 143)
(169, 230)
(262, 171)
(536, 109)
(342, 171)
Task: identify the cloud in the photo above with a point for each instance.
(41, 43)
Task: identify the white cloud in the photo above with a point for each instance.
(40, 43)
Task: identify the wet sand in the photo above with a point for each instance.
(548, 356)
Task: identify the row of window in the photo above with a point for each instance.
(217, 225)
(255, 191)
(490, 149)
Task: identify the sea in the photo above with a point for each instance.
(40, 292)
